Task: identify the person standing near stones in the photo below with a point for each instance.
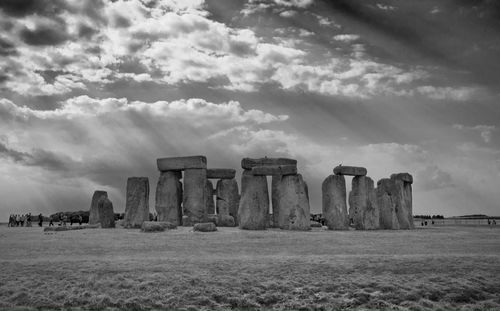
(80, 219)
(40, 220)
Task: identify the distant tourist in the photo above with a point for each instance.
(51, 223)
(28, 220)
(80, 219)
(494, 222)
(40, 220)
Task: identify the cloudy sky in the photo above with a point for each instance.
(92, 92)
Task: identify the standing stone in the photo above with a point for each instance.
(209, 194)
(403, 200)
(275, 181)
(106, 213)
(169, 197)
(137, 204)
(254, 202)
(334, 203)
(363, 209)
(94, 211)
(228, 198)
(386, 192)
(194, 195)
(293, 204)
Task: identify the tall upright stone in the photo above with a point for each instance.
(94, 211)
(168, 200)
(209, 194)
(228, 198)
(403, 200)
(254, 202)
(106, 213)
(137, 202)
(363, 208)
(386, 201)
(194, 195)
(334, 203)
(293, 207)
(275, 202)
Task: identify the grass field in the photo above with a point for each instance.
(433, 268)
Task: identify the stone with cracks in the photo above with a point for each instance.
(94, 211)
(334, 203)
(248, 163)
(157, 226)
(225, 221)
(168, 203)
(194, 195)
(228, 198)
(275, 170)
(386, 192)
(349, 170)
(254, 202)
(137, 202)
(205, 227)
(181, 163)
(106, 214)
(363, 208)
(221, 173)
(403, 200)
(209, 194)
(292, 203)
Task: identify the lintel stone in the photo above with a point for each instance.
(275, 170)
(221, 173)
(249, 163)
(406, 177)
(350, 170)
(181, 163)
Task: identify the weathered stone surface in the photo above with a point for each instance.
(293, 204)
(221, 173)
(363, 208)
(106, 214)
(213, 218)
(275, 170)
(275, 202)
(137, 202)
(386, 192)
(349, 170)
(94, 211)
(169, 197)
(228, 198)
(209, 195)
(334, 203)
(194, 195)
(205, 227)
(403, 200)
(406, 177)
(181, 163)
(254, 202)
(186, 222)
(225, 221)
(157, 226)
(248, 163)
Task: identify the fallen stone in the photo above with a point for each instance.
(94, 211)
(68, 228)
(248, 163)
(254, 202)
(315, 224)
(205, 227)
(106, 214)
(181, 163)
(334, 203)
(403, 200)
(293, 207)
(221, 173)
(275, 170)
(209, 195)
(406, 177)
(228, 198)
(386, 191)
(157, 226)
(213, 219)
(194, 195)
(363, 208)
(168, 203)
(349, 170)
(137, 202)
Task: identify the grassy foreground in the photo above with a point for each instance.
(432, 268)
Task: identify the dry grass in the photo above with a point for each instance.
(432, 268)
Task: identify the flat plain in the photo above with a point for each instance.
(447, 267)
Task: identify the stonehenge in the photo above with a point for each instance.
(334, 203)
(106, 213)
(168, 199)
(290, 200)
(228, 199)
(363, 208)
(94, 211)
(137, 202)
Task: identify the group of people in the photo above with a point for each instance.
(19, 220)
